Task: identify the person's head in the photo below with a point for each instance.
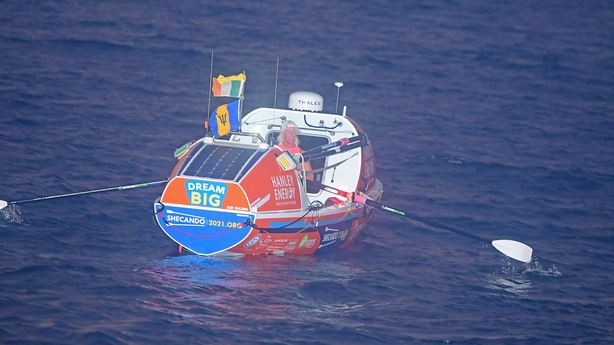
(288, 134)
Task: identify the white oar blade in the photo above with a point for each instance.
(3, 204)
(514, 249)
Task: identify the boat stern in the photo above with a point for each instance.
(205, 216)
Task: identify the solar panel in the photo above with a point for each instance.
(221, 162)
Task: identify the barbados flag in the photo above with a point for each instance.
(231, 86)
(225, 119)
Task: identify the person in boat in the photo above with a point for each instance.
(288, 141)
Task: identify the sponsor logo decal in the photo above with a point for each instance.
(206, 193)
(291, 245)
(284, 189)
(306, 242)
(336, 234)
(252, 241)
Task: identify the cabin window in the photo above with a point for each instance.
(308, 142)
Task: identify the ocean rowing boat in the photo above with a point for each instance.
(237, 191)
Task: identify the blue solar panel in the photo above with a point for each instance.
(221, 162)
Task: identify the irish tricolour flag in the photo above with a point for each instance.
(228, 86)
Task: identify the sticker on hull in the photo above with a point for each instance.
(203, 231)
(334, 235)
(297, 243)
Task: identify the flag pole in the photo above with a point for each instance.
(241, 103)
(210, 81)
(210, 86)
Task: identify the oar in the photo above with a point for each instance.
(4, 204)
(514, 249)
(344, 148)
(338, 143)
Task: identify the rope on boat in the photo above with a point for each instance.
(314, 206)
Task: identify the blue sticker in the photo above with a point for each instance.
(204, 231)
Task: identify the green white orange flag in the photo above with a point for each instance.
(231, 86)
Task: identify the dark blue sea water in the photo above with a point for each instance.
(493, 117)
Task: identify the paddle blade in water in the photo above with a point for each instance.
(514, 249)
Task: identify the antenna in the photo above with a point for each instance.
(275, 97)
(210, 81)
(276, 78)
(207, 124)
(338, 85)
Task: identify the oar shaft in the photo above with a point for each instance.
(514, 249)
(341, 142)
(132, 186)
(364, 200)
(423, 220)
(344, 148)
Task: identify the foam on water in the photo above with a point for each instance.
(12, 215)
(537, 269)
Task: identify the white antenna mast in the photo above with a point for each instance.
(338, 85)
(276, 78)
(275, 97)
(210, 81)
